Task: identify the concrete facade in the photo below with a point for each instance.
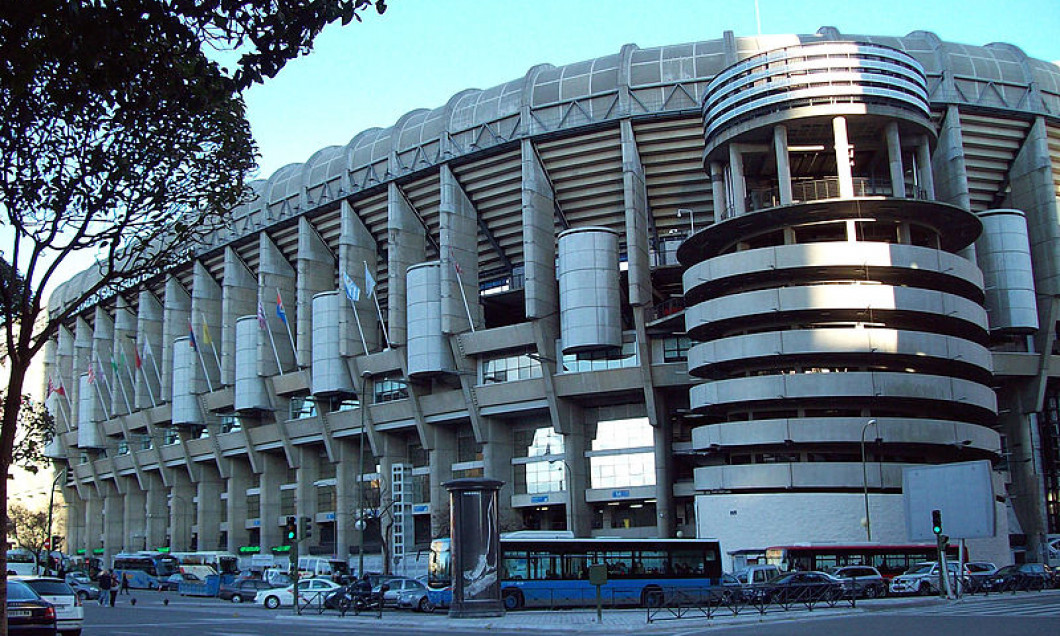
(615, 441)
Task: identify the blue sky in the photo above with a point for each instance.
(421, 52)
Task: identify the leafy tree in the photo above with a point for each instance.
(29, 527)
(36, 428)
(123, 140)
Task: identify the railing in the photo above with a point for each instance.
(819, 189)
(668, 307)
(709, 602)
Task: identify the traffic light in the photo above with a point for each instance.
(936, 521)
(292, 529)
(307, 527)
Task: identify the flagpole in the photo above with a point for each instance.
(95, 382)
(66, 397)
(154, 363)
(103, 374)
(378, 311)
(354, 293)
(206, 334)
(150, 393)
(263, 324)
(287, 323)
(121, 385)
(128, 371)
(202, 362)
(357, 318)
(463, 294)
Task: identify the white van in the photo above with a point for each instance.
(322, 566)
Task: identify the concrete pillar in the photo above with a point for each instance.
(316, 273)
(717, 188)
(406, 246)
(149, 344)
(894, 160)
(442, 457)
(102, 352)
(76, 531)
(134, 518)
(124, 354)
(948, 164)
(842, 158)
(175, 316)
(539, 244)
(497, 455)
(925, 178)
(739, 187)
(273, 475)
(638, 225)
(181, 512)
(575, 443)
(276, 276)
(357, 252)
(780, 148)
(157, 507)
(458, 237)
(113, 522)
(82, 356)
(239, 480)
(66, 374)
(94, 511)
(345, 495)
(206, 299)
(665, 517)
(209, 507)
(239, 297)
(308, 472)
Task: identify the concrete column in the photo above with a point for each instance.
(316, 273)
(113, 522)
(575, 443)
(442, 457)
(458, 237)
(948, 164)
(239, 480)
(357, 251)
(124, 353)
(308, 473)
(94, 511)
(925, 178)
(206, 300)
(149, 344)
(780, 147)
(665, 517)
(66, 375)
(539, 240)
(181, 512)
(239, 297)
(102, 352)
(894, 160)
(209, 506)
(739, 188)
(345, 495)
(717, 188)
(497, 455)
(82, 355)
(76, 530)
(175, 316)
(273, 475)
(406, 246)
(638, 225)
(134, 519)
(275, 276)
(842, 158)
(157, 508)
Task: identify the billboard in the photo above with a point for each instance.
(963, 491)
(1052, 550)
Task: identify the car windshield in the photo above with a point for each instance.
(978, 567)
(923, 568)
(1008, 569)
(51, 588)
(17, 591)
(80, 578)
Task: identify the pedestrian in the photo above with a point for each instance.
(114, 584)
(125, 583)
(104, 587)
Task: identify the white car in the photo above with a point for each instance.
(312, 591)
(69, 615)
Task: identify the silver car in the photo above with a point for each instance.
(69, 615)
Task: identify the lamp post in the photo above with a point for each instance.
(359, 522)
(865, 477)
(51, 506)
(691, 218)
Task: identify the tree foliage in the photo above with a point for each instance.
(36, 428)
(123, 140)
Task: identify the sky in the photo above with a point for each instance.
(422, 52)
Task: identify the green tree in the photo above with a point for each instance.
(123, 140)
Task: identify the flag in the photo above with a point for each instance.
(261, 315)
(191, 334)
(369, 282)
(206, 339)
(353, 292)
(113, 364)
(91, 373)
(51, 388)
(279, 308)
(121, 357)
(456, 265)
(61, 390)
(138, 361)
(147, 350)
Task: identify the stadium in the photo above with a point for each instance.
(729, 288)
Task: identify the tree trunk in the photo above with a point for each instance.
(12, 404)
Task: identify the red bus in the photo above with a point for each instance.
(890, 560)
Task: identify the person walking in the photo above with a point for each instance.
(114, 584)
(104, 587)
(125, 583)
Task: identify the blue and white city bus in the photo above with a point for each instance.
(145, 570)
(554, 572)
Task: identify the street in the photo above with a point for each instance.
(1034, 613)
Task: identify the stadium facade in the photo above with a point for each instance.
(724, 289)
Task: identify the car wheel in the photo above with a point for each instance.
(512, 599)
(925, 589)
(272, 602)
(425, 605)
(871, 591)
(651, 597)
(83, 595)
(236, 598)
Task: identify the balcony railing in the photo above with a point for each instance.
(819, 189)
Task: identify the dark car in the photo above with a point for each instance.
(172, 582)
(27, 613)
(800, 587)
(242, 590)
(863, 581)
(1021, 576)
(84, 587)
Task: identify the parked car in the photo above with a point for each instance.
(415, 598)
(728, 589)
(309, 590)
(979, 575)
(243, 590)
(1021, 576)
(754, 576)
(172, 582)
(800, 587)
(69, 615)
(27, 612)
(84, 587)
(923, 578)
(862, 581)
(397, 585)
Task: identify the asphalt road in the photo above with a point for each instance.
(1024, 614)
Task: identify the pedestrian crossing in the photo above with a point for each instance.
(1031, 606)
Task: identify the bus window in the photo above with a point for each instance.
(543, 565)
(515, 567)
(687, 562)
(652, 562)
(619, 563)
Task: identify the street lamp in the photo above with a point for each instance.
(51, 506)
(865, 476)
(359, 523)
(691, 218)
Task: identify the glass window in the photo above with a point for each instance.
(609, 469)
(287, 502)
(540, 477)
(230, 423)
(509, 366)
(603, 360)
(326, 498)
(389, 389)
(336, 404)
(171, 436)
(676, 349)
(467, 449)
(123, 447)
(535, 442)
(253, 506)
(303, 407)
